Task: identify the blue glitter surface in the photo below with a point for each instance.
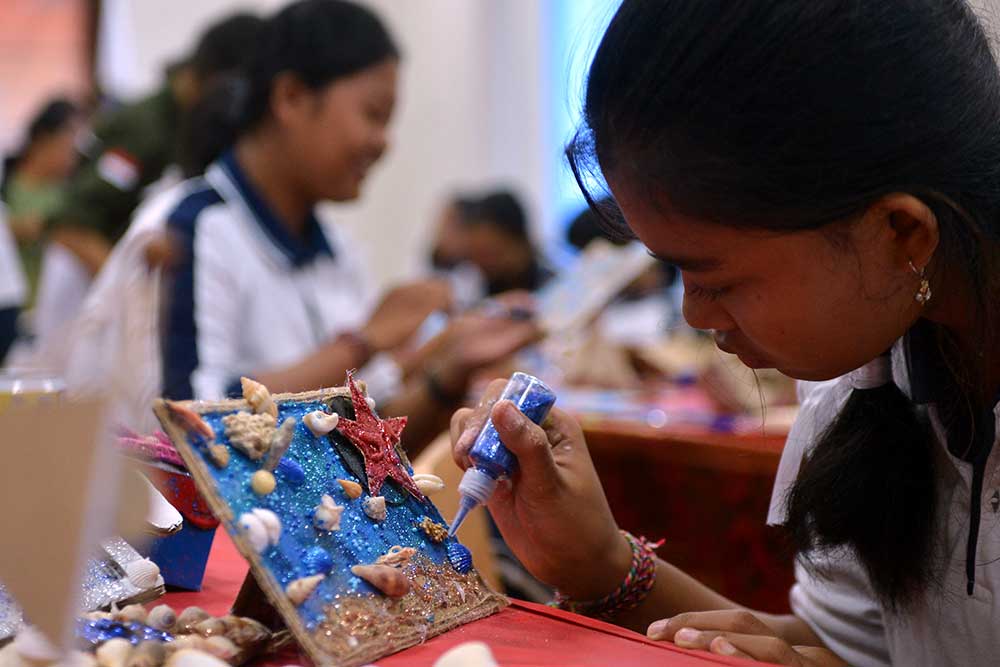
(299, 550)
(100, 631)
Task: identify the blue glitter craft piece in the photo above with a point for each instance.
(99, 631)
(459, 556)
(317, 560)
(291, 471)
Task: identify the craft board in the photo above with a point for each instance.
(345, 621)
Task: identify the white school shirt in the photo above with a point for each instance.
(13, 288)
(951, 628)
(251, 298)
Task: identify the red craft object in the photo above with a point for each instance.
(376, 439)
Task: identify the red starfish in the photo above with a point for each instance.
(376, 439)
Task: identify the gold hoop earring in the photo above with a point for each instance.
(923, 294)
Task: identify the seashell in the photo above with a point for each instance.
(98, 616)
(263, 482)
(434, 531)
(271, 522)
(291, 470)
(428, 484)
(189, 657)
(147, 654)
(222, 647)
(190, 421)
(133, 613)
(371, 402)
(397, 556)
(300, 589)
(375, 507)
(162, 617)
(460, 557)
(389, 580)
(143, 574)
(280, 442)
(186, 642)
(327, 514)
(219, 455)
(113, 653)
(317, 560)
(250, 434)
(321, 423)
(191, 617)
(246, 632)
(258, 397)
(352, 489)
(469, 654)
(210, 627)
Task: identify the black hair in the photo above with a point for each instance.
(318, 40)
(500, 209)
(226, 46)
(800, 115)
(51, 119)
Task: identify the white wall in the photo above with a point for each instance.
(471, 110)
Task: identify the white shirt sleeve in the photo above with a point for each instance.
(13, 288)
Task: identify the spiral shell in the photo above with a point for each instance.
(327, 514)
(263, 482)
(321, 423)
(191, 616)
(222, 648)
(280, 442)
(133, 613)
(113, 653)
(428, 484)
(375, 507)
(299, 590)
(258, 397)
(143, 574)
(245, 632)
(391, 581)
(210, 627)
(162, 617)
(397, 556)
(351, 489)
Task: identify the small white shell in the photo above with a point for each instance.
(162, 617)
(133, 613)
(271, 523)
(143, 573)
(327, 514)
(300, 589)
(258, 397)
(189, 657)
(114, 652)
(320, 423)
(371, 402)
(375, 507)
(255, 530)
(428, 484)
(469, 654)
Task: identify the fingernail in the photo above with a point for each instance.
(688, 635)
(655, 629)
(508, 415)
(722, 645)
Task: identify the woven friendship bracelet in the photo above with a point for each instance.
(632, 591)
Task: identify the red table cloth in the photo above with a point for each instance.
(522, 635)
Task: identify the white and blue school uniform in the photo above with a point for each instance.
(13, 287)
(248, 296)
(951, 627)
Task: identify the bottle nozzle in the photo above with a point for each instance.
(465, 506)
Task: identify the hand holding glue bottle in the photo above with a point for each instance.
(491, 460)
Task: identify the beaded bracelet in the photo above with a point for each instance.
(632, 591)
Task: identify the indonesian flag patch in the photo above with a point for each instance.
(119, 168)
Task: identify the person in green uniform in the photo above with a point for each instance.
(137, 142)
(34, 180)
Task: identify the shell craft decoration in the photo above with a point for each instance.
(391, 581)
(327, 514)
(251, 434)
(321, 423)
(259, 398)
(299, 590)
(375, 508)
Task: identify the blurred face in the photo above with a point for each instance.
(56, 153)
(449, 242)
(497, 254)
(801, 302)
(340, 131)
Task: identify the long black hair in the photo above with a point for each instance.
(800, 115)
(319, 41)
(51, 119)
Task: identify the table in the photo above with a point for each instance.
(707, 493)
(521, 635)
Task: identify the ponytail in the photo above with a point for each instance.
(868, 486)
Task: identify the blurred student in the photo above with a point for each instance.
(13, 289)
(498, 242)
(34, 180)
(134, 145)
(265, 288)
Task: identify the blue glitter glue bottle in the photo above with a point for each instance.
(492, 461)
